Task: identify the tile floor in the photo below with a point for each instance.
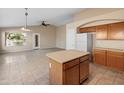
(101, 75)
(31, 68)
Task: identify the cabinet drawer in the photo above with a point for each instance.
(70, 64)
(84, 58)
(115, 53)
(99, 51)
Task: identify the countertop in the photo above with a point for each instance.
(66, 55)
(110, 49)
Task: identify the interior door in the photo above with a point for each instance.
(36, 41)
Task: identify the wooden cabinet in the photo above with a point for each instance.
(71, 76)
(87, 29)
(101, 32)
(73, 72)
(84, 70)
(70, 64)
(55, 72)
(115, 60)
(116, 31)
(110, 58)
(99, 56)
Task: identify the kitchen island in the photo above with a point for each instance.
(68, 67)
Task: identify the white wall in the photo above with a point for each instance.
(47, 38)
(117, 44)
(61, 37)
(70, 36)
(72, 28)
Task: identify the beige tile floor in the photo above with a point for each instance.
(101, 75)
(31, 68)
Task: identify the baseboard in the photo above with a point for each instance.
(61, 48)
(6, 51)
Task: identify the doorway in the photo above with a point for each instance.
(36, 40)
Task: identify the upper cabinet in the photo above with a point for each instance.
(101, 32)
(116, 31)
(87, 29)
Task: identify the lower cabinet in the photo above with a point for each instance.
(55, 73)
(69, 73)
(99, 56)
(115, 60)
(109, 58)
(84, 70)
(71, 76)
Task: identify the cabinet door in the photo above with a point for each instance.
(87, 29)
(99, 56)
(101, 32)
(84, 70)
(55, 73)
(116, 31)
(71, 76)
(115, 60)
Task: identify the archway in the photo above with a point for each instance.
(99, 20)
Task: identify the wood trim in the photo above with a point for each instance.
(87, 29)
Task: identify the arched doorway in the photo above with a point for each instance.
(86, 41)
(98, 22)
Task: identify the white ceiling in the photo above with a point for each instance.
(55, 16)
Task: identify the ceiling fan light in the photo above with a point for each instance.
(25, 29)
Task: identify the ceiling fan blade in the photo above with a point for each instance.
(44, 24)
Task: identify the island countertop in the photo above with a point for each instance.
(66, 55)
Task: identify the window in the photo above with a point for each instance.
(15, 39)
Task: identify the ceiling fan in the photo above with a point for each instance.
(43, 23)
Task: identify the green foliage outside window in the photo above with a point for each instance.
(16, 38)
